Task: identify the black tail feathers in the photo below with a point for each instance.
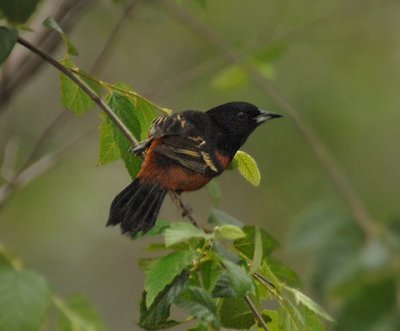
(136, 208)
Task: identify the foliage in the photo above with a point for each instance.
(8, 38)
(25, 302)
(18, 11)
(210, 275)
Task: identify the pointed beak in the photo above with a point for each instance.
(265, 116)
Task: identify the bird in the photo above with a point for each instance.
(183, 152)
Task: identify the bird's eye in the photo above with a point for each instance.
(241, 116)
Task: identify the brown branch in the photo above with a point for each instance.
(325, 157)
(256, 314)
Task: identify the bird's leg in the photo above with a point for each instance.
(186, 210)
(141, 147)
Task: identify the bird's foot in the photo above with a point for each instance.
(140, 148)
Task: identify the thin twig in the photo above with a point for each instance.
(263, 279)
(327, 160)
(186, 212)
(256, 313)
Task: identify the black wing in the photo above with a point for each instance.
(184, 141)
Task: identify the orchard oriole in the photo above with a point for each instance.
(184, 151)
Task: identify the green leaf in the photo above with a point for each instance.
(224, 252)
(158, 229)
(266, 272)
(77, 314)
(8, 38)
(157, 316)
(164, 271)
(199, 303)
(247, 245)
(223, 288)
(241, 281)
(247, 167)
(24, 300)
(146, 113)
(18, 11)
(258, 251)
(214, 192)
(235, 314)
(219, 217)
(145, 264)
(199, 327)
(301, 298)
(311, 320)
(283, 272)
(230, 77)
(231, 232)
(72, 96)
(109, 150)
(210, 271)
(275, 318)
(52, 24)
(180, 232)
(125, 110)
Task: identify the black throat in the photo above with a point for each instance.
(228, 144)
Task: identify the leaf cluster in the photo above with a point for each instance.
(213, 276)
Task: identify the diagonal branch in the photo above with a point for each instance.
(256, 314)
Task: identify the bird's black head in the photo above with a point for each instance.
(237, 120)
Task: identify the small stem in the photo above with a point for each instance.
(257, 315)
(284, 303)
(263, 279)
(116, 88)
(185, 211)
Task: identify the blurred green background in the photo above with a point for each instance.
(338, 62)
